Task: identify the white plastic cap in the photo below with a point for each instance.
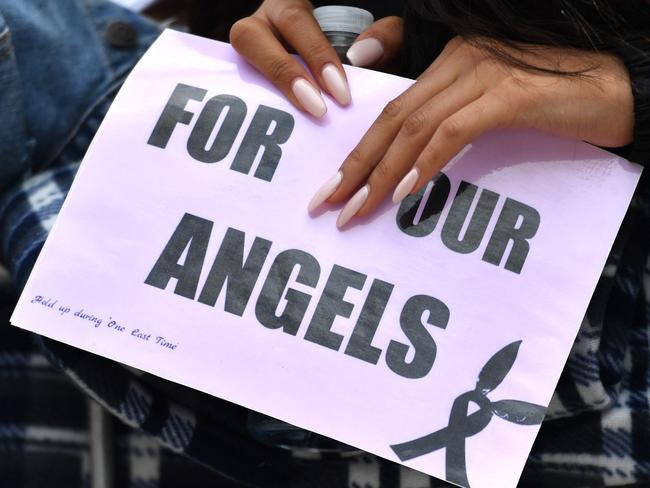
(339, 18)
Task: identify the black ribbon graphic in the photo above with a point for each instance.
(461, 425)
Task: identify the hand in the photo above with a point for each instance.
(466, 92)
(278, 25)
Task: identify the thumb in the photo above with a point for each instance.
(379, 44)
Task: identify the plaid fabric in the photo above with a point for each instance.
(597, 431)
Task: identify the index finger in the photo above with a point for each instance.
(298, 27)
(253, 39)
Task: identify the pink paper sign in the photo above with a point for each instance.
(431, 334)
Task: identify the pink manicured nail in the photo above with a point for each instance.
(309, 97)
(325, 191)
(365, 52)
(353, 206)
(406, 185)
(336, 84)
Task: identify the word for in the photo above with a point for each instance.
(269, 129)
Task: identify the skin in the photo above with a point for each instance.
(465, 93)
(279, 27)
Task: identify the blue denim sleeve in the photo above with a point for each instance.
(14, 141)
(58, 61)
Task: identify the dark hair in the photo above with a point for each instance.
(594, 25)
(214, 18)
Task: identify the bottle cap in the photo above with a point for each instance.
(338, 18)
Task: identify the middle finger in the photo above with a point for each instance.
(413, 137)
(374, 144)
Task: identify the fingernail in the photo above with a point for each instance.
(325, 191)
(353, 206)
(336, 84)
(406, 185)
(309, 97)
(365, 52)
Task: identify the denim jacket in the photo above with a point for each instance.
(83, 48)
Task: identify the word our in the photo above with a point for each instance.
(269, 129)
